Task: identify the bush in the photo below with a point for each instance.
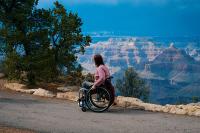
(195, 99)
(132, 86)
(11, 66)
(89, 77)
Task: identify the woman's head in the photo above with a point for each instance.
(98, 60)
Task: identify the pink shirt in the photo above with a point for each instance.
(101, 74)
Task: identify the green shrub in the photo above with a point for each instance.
(12, 66)
(132, 86)
(195, 99)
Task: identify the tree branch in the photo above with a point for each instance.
(12, 5)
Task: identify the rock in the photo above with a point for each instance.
(153, 107)
(172, 109)
(158, 108)
(43, 93)
(197, 113)
(149, 107)
(28, 91)
(128, 102)
(14, 86)
(180, 111)
(68, 88)
(73, 96)
(191, 113)
(165, 109)
(180, 106)
(19, 88)
(190, 108)
(64, 89)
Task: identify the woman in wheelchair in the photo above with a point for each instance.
(102, 87)
(101, 74)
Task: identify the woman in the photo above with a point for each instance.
(101, 74)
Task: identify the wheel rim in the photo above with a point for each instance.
(98, 100)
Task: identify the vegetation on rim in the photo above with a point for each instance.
(40, 44)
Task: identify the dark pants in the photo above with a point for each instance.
(87, 85)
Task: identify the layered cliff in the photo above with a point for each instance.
(170, 71)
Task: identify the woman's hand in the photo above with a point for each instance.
(93, 87)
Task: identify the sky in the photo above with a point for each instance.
(136, 17)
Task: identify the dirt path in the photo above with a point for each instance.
(5, 129)
(60, 116)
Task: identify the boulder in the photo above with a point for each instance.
(128, 102)
(68, 88)
(191, 113)
(190, 108)
(73, 96)
(149, 107)
(153, 107)
(63, 89)
(28, 91)
(172, 109)
(165, 109)
(197, 113)
(180, 111)
(180, 106)
(43, 93)
(158, 108)
(19, 88)
(14, 86)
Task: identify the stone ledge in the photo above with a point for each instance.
(43, 93)
(73, 96)
(189, 109)
(126, 102)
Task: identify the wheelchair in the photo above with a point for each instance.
(96, 100)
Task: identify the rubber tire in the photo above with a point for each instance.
(84, 109)
(101, 110)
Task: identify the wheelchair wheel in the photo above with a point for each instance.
(98, 100)
(84, 109)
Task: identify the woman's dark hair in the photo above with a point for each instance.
(98, 60)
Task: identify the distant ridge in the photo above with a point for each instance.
(165, 66)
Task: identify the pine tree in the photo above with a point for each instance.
(132, 86)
